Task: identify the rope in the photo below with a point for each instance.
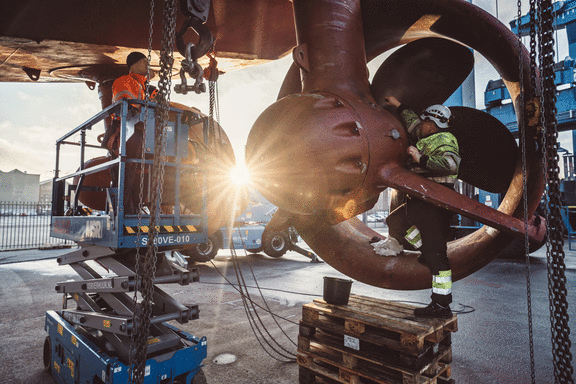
(252, 314)
(258, 327)
(260, 291)
(256, 324)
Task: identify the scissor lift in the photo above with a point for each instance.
(93, 342)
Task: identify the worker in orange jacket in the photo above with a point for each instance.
(130, 86)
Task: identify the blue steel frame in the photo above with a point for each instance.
(75, 359)
(110, 229)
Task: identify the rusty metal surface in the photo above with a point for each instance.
(418, 186)
(320, 150)
(334, 91)
(61, 38)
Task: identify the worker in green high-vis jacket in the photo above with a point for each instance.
(417, 224)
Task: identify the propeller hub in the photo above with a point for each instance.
(311, 153)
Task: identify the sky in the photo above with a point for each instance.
(33, 116)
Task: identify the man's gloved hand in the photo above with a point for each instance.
(388, 247)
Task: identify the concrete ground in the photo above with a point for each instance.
(491, 345)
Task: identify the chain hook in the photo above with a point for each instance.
(191, 67)
(192, 52)
(205, 38)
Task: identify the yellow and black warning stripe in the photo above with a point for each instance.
(161, 229)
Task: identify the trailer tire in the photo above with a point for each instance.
(275, 244)
(205, 251)
(255, 250)
(199, 378)
(47, 354)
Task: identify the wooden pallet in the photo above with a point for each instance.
(373, 341)
(323, 380)
(373, 353)
(332, 359)
(379, 322)
(326, 373)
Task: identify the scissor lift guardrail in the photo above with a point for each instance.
(115, 229)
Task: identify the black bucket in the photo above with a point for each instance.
(336, 291)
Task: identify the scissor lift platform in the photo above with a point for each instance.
(94, 342)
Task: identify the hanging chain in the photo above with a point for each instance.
(214, 110)
(522, 130)
(140, 205)
(157, 176)
(212, 75)
(217, 104)
(211, 125)
(559, 318)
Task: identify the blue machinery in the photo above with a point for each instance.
(497, 98)
(91, 343)
(498, 104)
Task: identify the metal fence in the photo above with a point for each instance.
(26, 226)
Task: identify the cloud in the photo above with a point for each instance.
(18, 156)
(22, 96)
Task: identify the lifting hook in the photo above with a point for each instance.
(192, 52)
(190, 65)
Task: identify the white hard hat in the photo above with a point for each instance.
(438, 113)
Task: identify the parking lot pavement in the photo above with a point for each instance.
(19, 256)
(491, 345)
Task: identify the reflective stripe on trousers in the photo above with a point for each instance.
(442, 283)
(413, 237)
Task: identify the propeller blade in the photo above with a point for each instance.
(399, 178)
(488, 150)
(423, 72)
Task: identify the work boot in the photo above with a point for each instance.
(434, 310)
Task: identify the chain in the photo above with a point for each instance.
(217, 97)
(522, 129)
(165, 84)
(135, 330)
(557, 293)
(213, 105)
(212, 75)
(149, 263)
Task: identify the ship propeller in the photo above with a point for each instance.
(327, 148)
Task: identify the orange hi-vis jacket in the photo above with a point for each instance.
(130, 86)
